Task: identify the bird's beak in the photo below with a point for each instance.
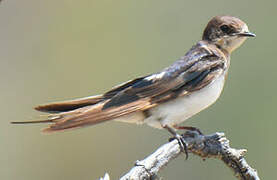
(246, 34)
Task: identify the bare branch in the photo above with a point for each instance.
(206, 146)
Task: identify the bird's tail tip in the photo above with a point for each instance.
(32, 122)
(48, 118)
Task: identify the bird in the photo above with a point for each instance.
(164, 99)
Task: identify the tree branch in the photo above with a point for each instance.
(206, 146)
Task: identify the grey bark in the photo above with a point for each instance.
(206, 146)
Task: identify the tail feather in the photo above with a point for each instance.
(67, 120)
(87, 115)
(76, 119)
(92, 115)
(32, 122)
(70, 105)
(49, 118)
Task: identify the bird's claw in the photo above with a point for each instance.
(182, 143)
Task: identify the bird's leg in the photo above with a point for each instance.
(179, 138)
(190, 128)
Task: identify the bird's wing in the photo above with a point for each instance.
(69, 105)
(186, 75)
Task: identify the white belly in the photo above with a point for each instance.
(180, 109)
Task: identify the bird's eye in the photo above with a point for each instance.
(225, 28)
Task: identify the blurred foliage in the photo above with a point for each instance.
(57, 50)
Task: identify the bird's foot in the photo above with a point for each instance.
(182, 144)
(179, 138)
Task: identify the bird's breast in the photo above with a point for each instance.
(182, 108)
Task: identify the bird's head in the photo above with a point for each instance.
(226, 32)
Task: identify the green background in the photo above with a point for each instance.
(58, 50)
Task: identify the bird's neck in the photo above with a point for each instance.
(226, 52)
(220, 49)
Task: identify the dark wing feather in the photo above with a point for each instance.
(193, 71)
(121, 87)
(69, 105)
(186, 71)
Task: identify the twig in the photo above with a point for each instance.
(206, 146)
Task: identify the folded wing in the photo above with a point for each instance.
(184, 76)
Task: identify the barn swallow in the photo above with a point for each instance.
(164, 99)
